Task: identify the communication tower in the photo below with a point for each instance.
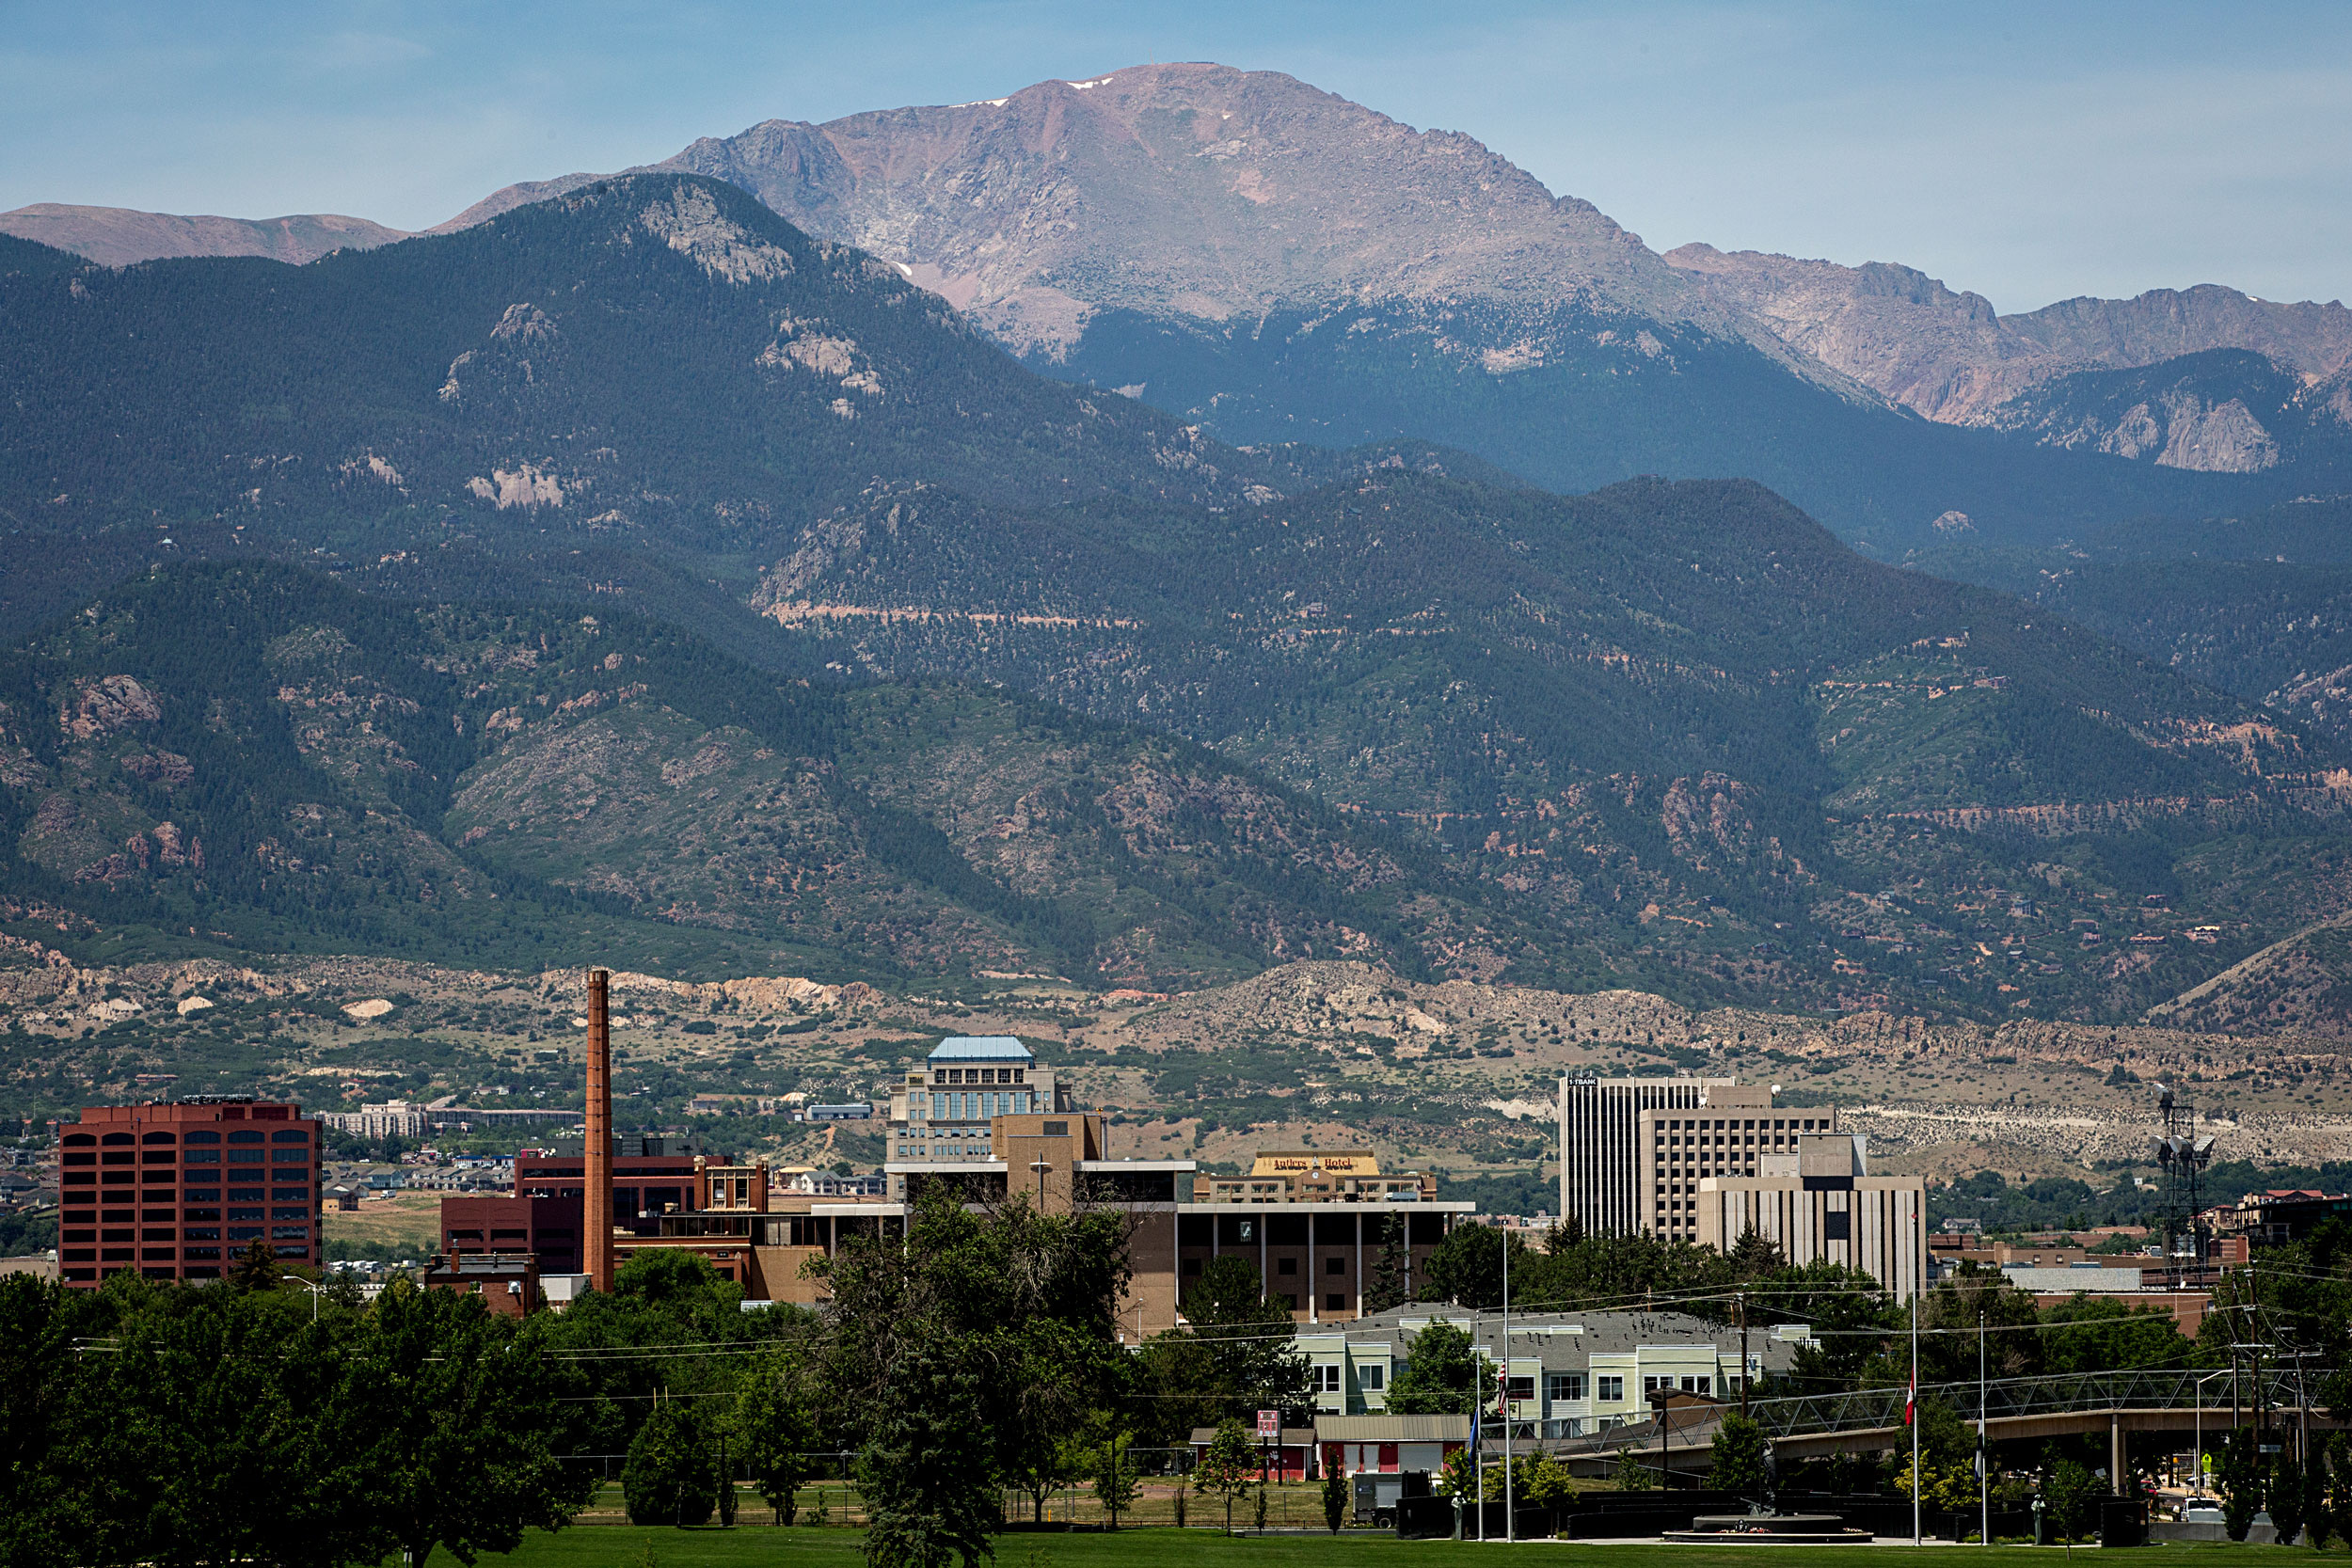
(2182, 1154)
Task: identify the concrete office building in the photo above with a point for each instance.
(1731, 1129)
(178, 1190)
(1817, 1202)
(1603, 1184)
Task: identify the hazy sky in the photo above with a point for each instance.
(2028, 151)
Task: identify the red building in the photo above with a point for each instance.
(178, 1190)
(651, 1181)
(544, 1228)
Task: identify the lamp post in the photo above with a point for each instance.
(2197, 1456)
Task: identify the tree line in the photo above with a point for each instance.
(274, 1419)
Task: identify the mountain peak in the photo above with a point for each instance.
(1194, 190)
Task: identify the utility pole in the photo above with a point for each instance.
(1984, 1454)
(1743, 1300)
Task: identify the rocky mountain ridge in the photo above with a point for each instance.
(122, 237)
(1148, 229)
(1949, 356)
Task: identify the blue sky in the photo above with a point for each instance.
(2028, 151)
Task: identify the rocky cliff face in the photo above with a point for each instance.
(1951, 357)
(118, 236)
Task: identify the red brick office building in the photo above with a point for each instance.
(178, 1190)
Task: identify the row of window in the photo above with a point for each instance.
(194, 1232)
(190, 1156)
(198, 1135)
(979, 1075)
(1754, 1124)
(1559, 1388)
(192, 1195)
(961, 1107)
(124, 1254)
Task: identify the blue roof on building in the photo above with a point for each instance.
(982, 1048)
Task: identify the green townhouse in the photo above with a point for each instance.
(1571, 1374)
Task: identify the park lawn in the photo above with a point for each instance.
(627, 1546)
(413, 1217)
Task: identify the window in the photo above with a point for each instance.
(1518, 1388)
(1192, 1266)
(1054, 1130)
(1560, 1388)
(1697, 1385)
(1286, 1265)
(1611, 1389)
(201, 1138)
(1327, 1380)
(1373, 1377)
(246, 1135)
(1836, 1225)
(1651, 1385)
(1335, 1301)
(156, 1138)
(290, 1135)
(1335, 1265)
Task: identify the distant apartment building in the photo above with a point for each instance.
(390, 1118)
(178, 1190)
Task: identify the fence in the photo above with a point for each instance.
(1164, 1496)
(2142, 1388)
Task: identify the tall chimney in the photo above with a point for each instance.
(597, 1210)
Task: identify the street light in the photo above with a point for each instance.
(2196, 1455)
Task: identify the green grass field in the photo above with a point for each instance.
(625, 1546)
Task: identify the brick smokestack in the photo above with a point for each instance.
(597, 1210)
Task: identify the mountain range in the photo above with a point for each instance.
(1117, 532)
(643, 572)
(1278, 264)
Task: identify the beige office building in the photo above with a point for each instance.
(1818, 1203)
(1726, 1133)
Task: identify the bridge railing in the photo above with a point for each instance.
(2138, 1387)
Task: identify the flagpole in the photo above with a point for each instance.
(1510, 1499)
(1478, 1402)
(1910, 1416)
